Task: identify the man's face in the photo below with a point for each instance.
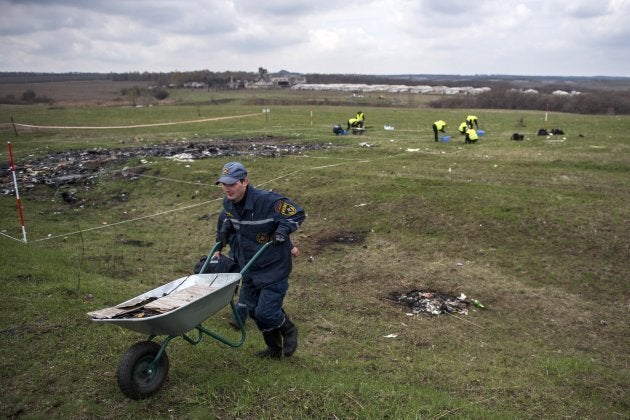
(235, 192)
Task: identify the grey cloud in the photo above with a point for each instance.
(509, 36)
(448, 7)
(195, 17)
(266, 40)
(581, 9)
(294, 8)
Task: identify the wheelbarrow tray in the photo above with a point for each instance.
(174, 308)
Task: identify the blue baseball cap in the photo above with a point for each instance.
(232, 172)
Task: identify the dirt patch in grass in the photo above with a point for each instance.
(33, 328)
(115, 266)
(136, 242)
(327, 239)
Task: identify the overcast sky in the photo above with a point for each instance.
(517, 37)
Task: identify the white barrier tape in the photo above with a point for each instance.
(67, 127)
(11, 237)
(124, 221)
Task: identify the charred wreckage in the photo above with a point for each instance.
(73, 166)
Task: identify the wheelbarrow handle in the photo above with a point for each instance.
(214, 249)
(255, 257)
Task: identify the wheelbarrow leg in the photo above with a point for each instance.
(201, 330)
(241, 312)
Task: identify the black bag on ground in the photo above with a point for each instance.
(223, 264)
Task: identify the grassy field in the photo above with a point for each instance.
(538, 231)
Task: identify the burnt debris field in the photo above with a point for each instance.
(75, 165)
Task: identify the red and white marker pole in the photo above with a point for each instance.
(546, 114)
(17, 193)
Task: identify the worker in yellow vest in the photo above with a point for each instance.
(471, 135)
(462, 128)
(472, 120)
(361, 118)
(354, 123)
(438, 126)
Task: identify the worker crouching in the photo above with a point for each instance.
(471, 136)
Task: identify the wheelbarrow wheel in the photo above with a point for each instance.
(136, 378)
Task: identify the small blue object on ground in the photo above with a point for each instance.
(445, 139)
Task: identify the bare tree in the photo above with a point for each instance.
(263, 73)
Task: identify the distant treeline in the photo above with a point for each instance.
(28, 77)
(541, 83)
(586, 102)
(597, 95)
(215, 79)
(28, 97)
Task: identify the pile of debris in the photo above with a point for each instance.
(78, 165)
(434, 303)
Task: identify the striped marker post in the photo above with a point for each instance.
(17, 193)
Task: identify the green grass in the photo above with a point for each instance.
(536, 230)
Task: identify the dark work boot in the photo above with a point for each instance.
(290, 335)
(273, 339)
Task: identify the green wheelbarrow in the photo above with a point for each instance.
(176, 309)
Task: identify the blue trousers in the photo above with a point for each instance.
(241, 309)
(264, 303)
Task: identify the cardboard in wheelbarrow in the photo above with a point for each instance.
(174, 308)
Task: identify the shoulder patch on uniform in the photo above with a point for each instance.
(228, 214)
(285, 208)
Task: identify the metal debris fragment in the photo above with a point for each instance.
(434, 303)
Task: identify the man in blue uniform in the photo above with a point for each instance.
(255, 217)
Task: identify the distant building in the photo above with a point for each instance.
(364, 88)
(285, 80)
(195, 85)
(237, 84)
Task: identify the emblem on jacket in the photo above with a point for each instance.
(285, 208)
